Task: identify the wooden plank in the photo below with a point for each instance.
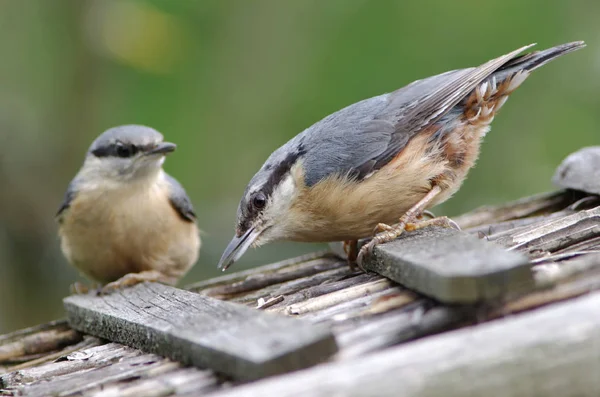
(261, 271)
(109, 370)
(27, 344)
(452, 266)
(580, 171)
(550, 352)
(229, 338)
(543, 203)
(555, 234)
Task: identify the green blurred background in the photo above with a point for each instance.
(230, 81)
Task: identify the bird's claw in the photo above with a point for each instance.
(386, 234)
(132, 279)
(442, 221)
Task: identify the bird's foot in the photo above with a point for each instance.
(383, 234)
(388, 233)
(132, 279)
(442, 221)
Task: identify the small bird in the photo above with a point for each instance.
(380, 161)
(124, 220)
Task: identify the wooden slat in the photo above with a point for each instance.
(452, 266)
(550, 352)
(230, 338)
(538, 204)
(555, 234)
(27, 344)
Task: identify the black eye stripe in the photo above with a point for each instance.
(117, 149)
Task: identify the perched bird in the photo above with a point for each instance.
(124, 220)
(380, 161)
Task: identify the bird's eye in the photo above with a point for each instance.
(259, 201)
(124, 150)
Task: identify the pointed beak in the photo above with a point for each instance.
(237, 247)
(162, 148)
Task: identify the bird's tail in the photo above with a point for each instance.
(480, 107)
(536, 59)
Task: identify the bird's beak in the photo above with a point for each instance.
(236, 248)
(162, 148)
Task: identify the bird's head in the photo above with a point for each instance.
(264, 213)
(125, 154)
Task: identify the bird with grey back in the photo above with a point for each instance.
(124, 220)
(379, 162)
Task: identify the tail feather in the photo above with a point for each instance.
(536, 59)
(480, 107)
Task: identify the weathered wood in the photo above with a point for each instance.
(320, 279)
(557, 281)
(389, 301)
(333, 314)
(232, 339)
(323, 288)
(84, 359)
(550, 352)
(325, 278)
(131, 367)
(389, 330)
(296, 262)
(580, 171)
(525, 207)
(258, 281)
(493, 231)
(88, 341)
(89, 370)
(182, 381)
(555, 234)
(451, 266)
(21, 333)
(333, 298)
(40, 342)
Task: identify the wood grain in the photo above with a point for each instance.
(229, 338)
(550, 352)
(452, 266)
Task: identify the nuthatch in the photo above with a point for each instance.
(124, 220)
(380, 161)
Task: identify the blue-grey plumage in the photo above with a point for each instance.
(373, 161)
(124, 219)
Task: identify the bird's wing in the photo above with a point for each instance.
(180, 200)
(367, 135)
(67, 200)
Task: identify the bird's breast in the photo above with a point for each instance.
(107, 234)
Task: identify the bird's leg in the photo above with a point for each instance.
(442, 221)
(390, 233)
(351, 250)
(380, 228)
(132, 279)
